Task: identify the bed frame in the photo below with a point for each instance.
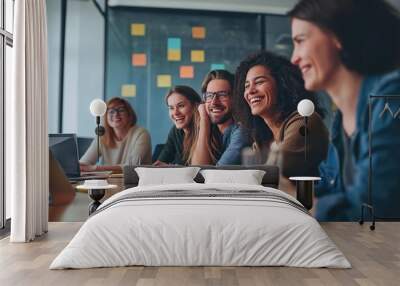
(131, 178)
(270, 179)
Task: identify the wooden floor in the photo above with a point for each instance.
(374, 255)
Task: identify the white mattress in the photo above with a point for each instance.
(191, 231)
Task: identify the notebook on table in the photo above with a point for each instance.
(64, 148)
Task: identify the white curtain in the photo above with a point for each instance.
(26, 124)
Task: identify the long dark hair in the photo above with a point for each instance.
(190, 138)
(368, 30)
(289, 87)
(216, 138)
(109, 138)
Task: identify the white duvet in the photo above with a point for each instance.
(200, 231)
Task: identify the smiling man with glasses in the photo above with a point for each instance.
(220, 139)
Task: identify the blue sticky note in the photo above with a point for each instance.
(174, 43)
(217, 67)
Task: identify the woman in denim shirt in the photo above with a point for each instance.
(351, 49)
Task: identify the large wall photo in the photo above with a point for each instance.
(150, 51)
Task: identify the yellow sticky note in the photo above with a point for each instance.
(174, 55)
(128, 90)
(197, 56)
(139, 60)
(186, 72)
(198, 32)
(164, 80)
(138, 29)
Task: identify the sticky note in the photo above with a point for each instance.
(128, 90)
(138, 29)
(164, 80)
(174, 43)
(139, 60)
(197, 56)
(198, 32)
(186, 72)
(174, 55)
(217, 67)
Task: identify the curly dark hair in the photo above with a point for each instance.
(368, 31)
(290, 91)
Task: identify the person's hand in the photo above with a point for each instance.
(87, 168)
(287, 186)
(159, 163)
(202, 112)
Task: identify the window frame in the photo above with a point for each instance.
(6, 39)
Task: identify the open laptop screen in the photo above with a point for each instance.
(65, 149)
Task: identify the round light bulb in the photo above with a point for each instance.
(98, 107)
(305, 107)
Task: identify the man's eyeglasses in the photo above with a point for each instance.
(221, 95)
(113, 111)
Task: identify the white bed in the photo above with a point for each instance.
(269, 229)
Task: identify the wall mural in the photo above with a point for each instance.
(151, 51)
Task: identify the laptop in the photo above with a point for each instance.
(64, 148)
(83, 144)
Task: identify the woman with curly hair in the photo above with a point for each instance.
(267, 90)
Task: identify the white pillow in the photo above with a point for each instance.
(248, 177)
(164, 176)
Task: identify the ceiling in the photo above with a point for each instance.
(249, 6)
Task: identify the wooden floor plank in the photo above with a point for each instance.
(374, 255)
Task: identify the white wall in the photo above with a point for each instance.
(53, 31)
(84, 62)
(83, 66)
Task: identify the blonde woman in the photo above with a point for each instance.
(124, 142)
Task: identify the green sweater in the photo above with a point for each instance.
(172, 152)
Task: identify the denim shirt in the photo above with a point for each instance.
(234, 139)
(339, 203)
